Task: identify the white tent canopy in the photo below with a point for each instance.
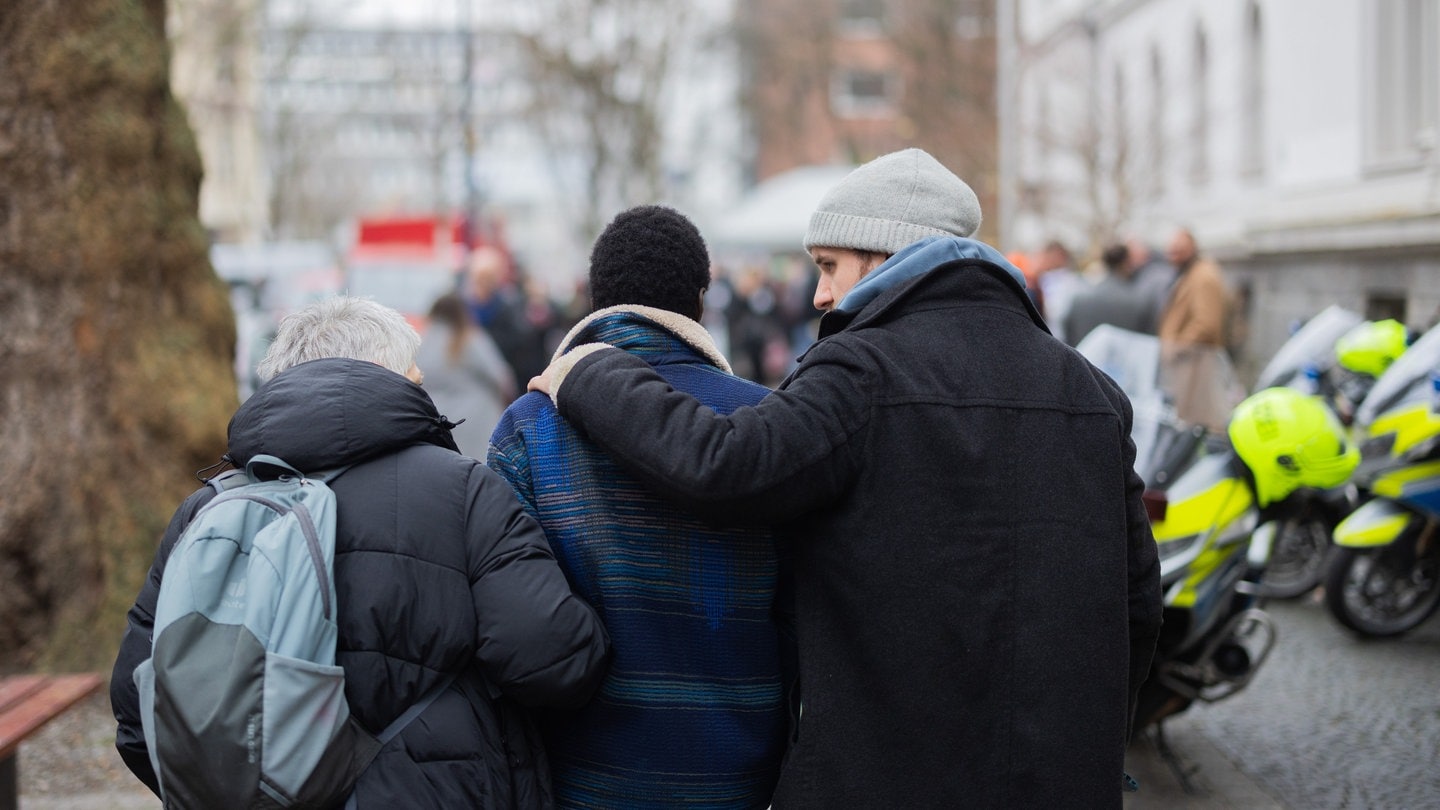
(773, 216)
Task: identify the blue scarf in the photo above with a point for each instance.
(919, 258)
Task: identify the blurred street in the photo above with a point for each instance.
(1330, 721)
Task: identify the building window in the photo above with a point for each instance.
(1383, 304)
(1200, 113)
(862, 17)
(864, 93)
(1404, 82)
(1252, 95)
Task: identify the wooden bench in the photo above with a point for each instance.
(28, 702)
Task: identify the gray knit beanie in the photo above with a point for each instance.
(891, 202)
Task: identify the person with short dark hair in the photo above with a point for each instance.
(1115, 299)
(438, 572)
(977, 590)
(692, 712)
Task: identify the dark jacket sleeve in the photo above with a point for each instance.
(539, 643)
(135, 648)
(1146, 606)
(799, 449)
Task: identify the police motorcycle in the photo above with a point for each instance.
(1214, 527)
(1309, 362)
(1362, 355)
(1309, 351)
(1384, 578)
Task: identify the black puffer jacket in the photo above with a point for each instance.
(977, 589)
(437, 570)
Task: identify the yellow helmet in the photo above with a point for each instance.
(1371, 347)
(1290, 440)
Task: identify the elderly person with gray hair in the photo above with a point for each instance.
(437, 571)
(976, 587)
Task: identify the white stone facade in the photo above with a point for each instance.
(1299, 139)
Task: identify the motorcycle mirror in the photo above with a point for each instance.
(1155, 504)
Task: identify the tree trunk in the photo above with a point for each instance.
(116, 381)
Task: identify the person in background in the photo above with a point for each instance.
(498, 307)
(1059, 283)
(692, 713)
(1115, 299)
(1021, 260)
(1152, 274)
(437, 571)
(465, 374)
(1194, 328)
(753, 322)
(977, 590)
(1199, 303)
(544, 320)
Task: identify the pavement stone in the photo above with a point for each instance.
(1196, 775)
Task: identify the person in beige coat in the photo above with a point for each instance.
(1193, 331)
(1199, 298)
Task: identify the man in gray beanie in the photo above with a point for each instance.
(976, 587)
(892, 201)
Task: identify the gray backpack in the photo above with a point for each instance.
(241, 701)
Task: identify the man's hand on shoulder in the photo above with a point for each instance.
(548, 381)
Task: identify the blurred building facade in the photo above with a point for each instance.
(313, 113)
(213, 73)
(844, 81)
(1297, 138)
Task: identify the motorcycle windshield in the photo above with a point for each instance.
(1312, 345)
(1405, 381)
(1170, 392)
(1132, 360)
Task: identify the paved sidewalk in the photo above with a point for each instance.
(1200, 775)
(72, 765)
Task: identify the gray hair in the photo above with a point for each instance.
(342, 326)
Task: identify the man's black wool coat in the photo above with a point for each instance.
(977, 586)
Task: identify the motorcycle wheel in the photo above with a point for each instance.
(1297, 562)
(1383, 591)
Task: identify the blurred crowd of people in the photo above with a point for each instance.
(1181, 296)
(501, 327)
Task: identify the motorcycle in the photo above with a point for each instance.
(1214, 527)
(1309, 362)
(1362, 355)
(1310, 350)
(1384, 579)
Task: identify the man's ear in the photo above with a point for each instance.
(700, 307)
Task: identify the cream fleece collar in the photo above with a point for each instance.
(689, 331)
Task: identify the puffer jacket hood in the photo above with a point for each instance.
(335, 412)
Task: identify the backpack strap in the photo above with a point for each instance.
(227, 480)
(275, 467)
(398, 724)
(263, 467)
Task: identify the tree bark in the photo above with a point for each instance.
(116, 379)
